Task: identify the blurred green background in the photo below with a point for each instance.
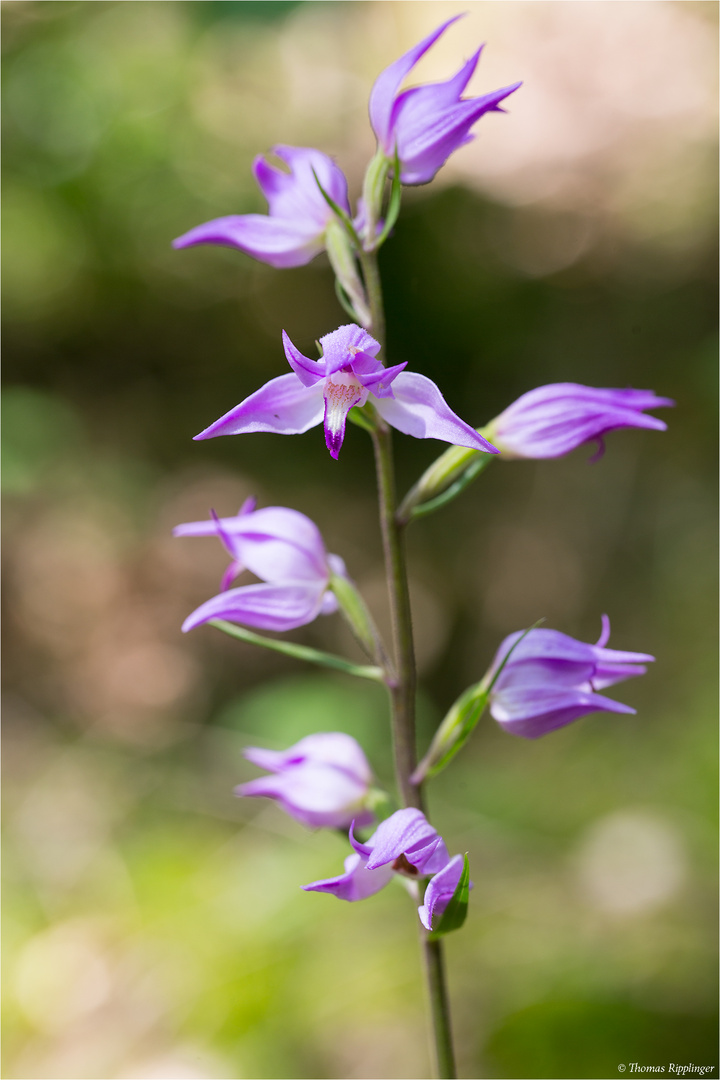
(154, 925)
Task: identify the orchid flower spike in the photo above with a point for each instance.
(553, 420)
(323, 781)
(406, 844)
(293, 231)
(282, 547)
(551, 679)
(427, 123)
(324, 391)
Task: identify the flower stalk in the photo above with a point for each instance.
(403, 691)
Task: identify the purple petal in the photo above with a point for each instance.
(440, 891)
(333, 748)
(278, 543)
(553, 420)
(341, 346)
(604, 632)
(234, 570)
(379, 381)
(382, 95)
(419, 409)
(282, 405)
(280, 242)
(544, 656)
(357, 883)
(362, 849)
(275, 543)
(532, 711)
(407, 832)
(428, 130)
(308, 371)
(295, 195)
(266, 607)
(315, 794)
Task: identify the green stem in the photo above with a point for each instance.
(402, 688)
(300, 652)
(439, 1007)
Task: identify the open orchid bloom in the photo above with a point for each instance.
(323, 781)
(323, 392)
(553, 420)
(404, 843)
(427, 123)
(282, 547)
(551, 679)
(293, 231)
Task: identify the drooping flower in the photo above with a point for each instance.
(427, 123)
(553, 420)
(293, 231)
(404, 843)
(324, 391)
(551, 679)
(282, 547)
(323, 781)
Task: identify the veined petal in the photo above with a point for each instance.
(407, 832)
(553, 420)
(357, 883)
(266, 607)
(333, 748)
(315, 795)
(429, 130)
(382, 95)
(544, 656)
(532, 711)
(295, 195)
(282, 405)
(280, 242)
(419, 409)
(280, 544)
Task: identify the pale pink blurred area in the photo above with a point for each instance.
(616, 118)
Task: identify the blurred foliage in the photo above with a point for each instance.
(154, 924)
